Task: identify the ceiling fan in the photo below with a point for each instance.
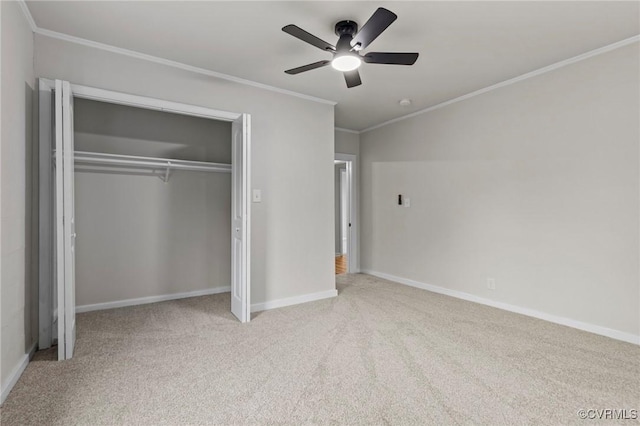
(345, 53)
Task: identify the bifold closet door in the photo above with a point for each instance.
(65, 219)
(47, 312)
(240, 252)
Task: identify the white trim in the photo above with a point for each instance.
(510, 81)
(150, 299)
(592, 328)
(27, 14)
(273, 304)
(280, 303)
(136, 101)
(340, 129)
(16, 373)
(176, 64)
(353, 258)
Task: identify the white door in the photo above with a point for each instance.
(65, 220)
(240, 252)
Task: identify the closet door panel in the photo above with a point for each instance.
(240, 282)
(46, 269)
(65, 219)
(59, 214)
(70, 220)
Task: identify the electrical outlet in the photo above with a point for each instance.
(491, 283)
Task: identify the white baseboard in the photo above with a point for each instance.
(592, 328)
(150, 299)
(279, 303)
(256, 307)
(16, 373)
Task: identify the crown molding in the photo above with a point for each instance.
(341, 129)
(162, 61)
(510, 81)
(27, 14)
(175, 64)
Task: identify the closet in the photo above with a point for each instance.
(141, 200)
(152, 202)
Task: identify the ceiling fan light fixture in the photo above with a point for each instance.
(351, 41)
(346, 62)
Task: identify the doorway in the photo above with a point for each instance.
(346, 226)
(57, 196)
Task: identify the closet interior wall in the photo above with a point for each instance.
(137, 235)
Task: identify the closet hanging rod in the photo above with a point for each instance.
(82, 157)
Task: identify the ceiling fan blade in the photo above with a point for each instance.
(308, 38)
(352, 78)
(390, 58)
(308, 67)
(378, 22)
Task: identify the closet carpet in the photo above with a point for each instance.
(379, 353)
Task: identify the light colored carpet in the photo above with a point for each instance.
(379, 353)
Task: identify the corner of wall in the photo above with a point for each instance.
(347, 142)
(19, 297)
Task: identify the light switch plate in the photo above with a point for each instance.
(407, 202)
(257, 196)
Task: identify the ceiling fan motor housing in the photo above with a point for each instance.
(345, 30)
(346, 27)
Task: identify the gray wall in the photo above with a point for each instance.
(534, 184)
(18, 284)
(292, 229)
(138, 236)
(118, 129)
(347, 142)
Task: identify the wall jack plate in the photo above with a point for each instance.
(491, 283)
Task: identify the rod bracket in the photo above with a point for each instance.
(167, 173)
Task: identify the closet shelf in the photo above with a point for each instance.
(132, 161)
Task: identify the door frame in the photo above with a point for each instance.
(46, 310)
(344, 210)
(353, 238)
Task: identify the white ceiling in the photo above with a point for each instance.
(463, 46)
